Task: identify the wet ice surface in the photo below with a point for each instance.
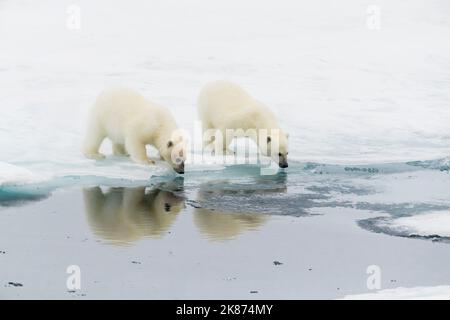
(217, 234)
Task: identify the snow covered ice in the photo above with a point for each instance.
(345, 93)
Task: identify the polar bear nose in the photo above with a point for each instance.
(283, 163)
(180, 168)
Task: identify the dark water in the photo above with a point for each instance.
(217, 234)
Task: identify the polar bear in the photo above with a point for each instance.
(226, 107)
(131, 122)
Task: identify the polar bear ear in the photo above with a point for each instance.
(269, 139)
(170, 144)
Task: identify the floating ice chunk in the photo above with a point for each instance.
(400, 293)
(439, 164)
(434, 223)
(14, 175)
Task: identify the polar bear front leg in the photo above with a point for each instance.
(222, 142)
(229, 136)
(137, 151)
(209, 136)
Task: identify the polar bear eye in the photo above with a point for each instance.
(279, 154)
(169, 144)
(269, 139)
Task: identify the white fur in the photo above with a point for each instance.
(131, 122)
(224, 105)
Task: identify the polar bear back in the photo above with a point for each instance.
(226, 104)
(119, 109)
(224, 95)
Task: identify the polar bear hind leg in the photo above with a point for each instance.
(94, 139)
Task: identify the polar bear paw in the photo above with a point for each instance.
(95, 156)
(145, 162)
(223, 153)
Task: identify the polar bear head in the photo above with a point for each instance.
(173, 151)
(277, 147)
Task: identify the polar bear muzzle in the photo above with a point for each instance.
(282, 161)
(179, 168)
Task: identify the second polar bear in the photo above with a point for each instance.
(131, 122)
(228, 108)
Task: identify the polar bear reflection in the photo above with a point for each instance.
(124, 215)
(226, 219)
(221, 226)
